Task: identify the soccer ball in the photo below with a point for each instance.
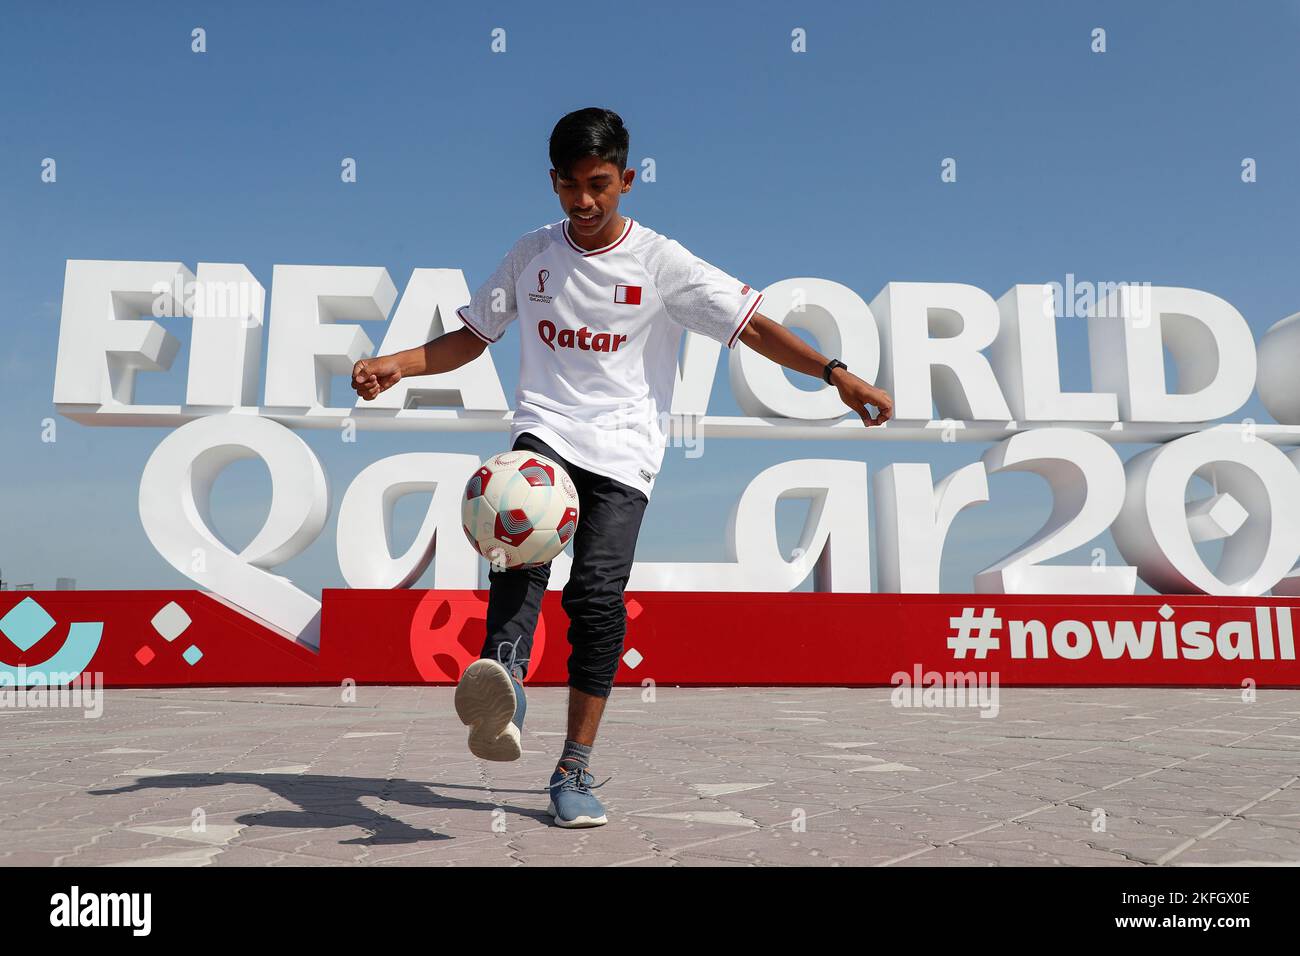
(519, 510)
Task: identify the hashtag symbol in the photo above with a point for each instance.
(974, 633)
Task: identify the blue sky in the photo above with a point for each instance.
(1118, 166)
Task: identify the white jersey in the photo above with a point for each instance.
(600, 334)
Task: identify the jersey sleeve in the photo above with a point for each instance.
(492, 307)
(703, 298)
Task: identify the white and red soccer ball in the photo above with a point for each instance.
(519, 510)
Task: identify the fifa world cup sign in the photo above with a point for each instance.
(961, 365)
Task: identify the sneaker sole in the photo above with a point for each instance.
(485, 702)
(576, 823)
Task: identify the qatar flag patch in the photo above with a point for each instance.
(627, 294)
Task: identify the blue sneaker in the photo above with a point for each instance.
(572, 802)
(490, 701)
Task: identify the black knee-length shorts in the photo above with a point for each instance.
(609, 520)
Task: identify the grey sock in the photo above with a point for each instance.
(575, 756)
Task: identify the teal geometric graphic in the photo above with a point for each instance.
(25, 624)
(192, 655)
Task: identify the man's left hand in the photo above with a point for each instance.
(857, 394)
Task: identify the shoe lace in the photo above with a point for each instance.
(515, 660)
(578, 780)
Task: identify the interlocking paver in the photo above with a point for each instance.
(704, 776)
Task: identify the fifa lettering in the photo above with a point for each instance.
(1142, 501)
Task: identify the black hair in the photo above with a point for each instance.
(588, 132)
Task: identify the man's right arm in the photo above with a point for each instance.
(489, 311)
(450, 351)
(446, 352)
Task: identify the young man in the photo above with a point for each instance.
(602, 303)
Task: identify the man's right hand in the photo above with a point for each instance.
(374, 375)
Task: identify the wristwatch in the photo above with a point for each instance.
(831, 366)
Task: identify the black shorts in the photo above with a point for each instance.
(609, 520)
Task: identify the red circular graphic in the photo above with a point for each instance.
(447, 636)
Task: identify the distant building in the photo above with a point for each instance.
(65, 584)
(25, 587)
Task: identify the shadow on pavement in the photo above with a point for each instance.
(327, 801)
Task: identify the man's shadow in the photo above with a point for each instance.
(327, 801)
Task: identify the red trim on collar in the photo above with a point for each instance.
(564, 228)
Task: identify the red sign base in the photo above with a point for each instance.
(187, 637)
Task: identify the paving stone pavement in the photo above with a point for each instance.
(700, 777)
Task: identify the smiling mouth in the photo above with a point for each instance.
(585, 219)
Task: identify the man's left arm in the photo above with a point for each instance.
(774, 341)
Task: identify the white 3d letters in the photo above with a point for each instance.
(1279, 386)
(226, 341)
(1209, 340)
(843, 326)
(696, 371)
(833, 545)
(987, 371)
(1152, 531)
(310, 339)
(107, 332)
(948, 371)
(366, 522)
(1087, 481)
(175, 495)
(913, 516)
(1290, 585)
(427, 310)
(1025, 357)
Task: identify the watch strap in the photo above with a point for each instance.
(831, 366)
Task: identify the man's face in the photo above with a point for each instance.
(589, 194)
